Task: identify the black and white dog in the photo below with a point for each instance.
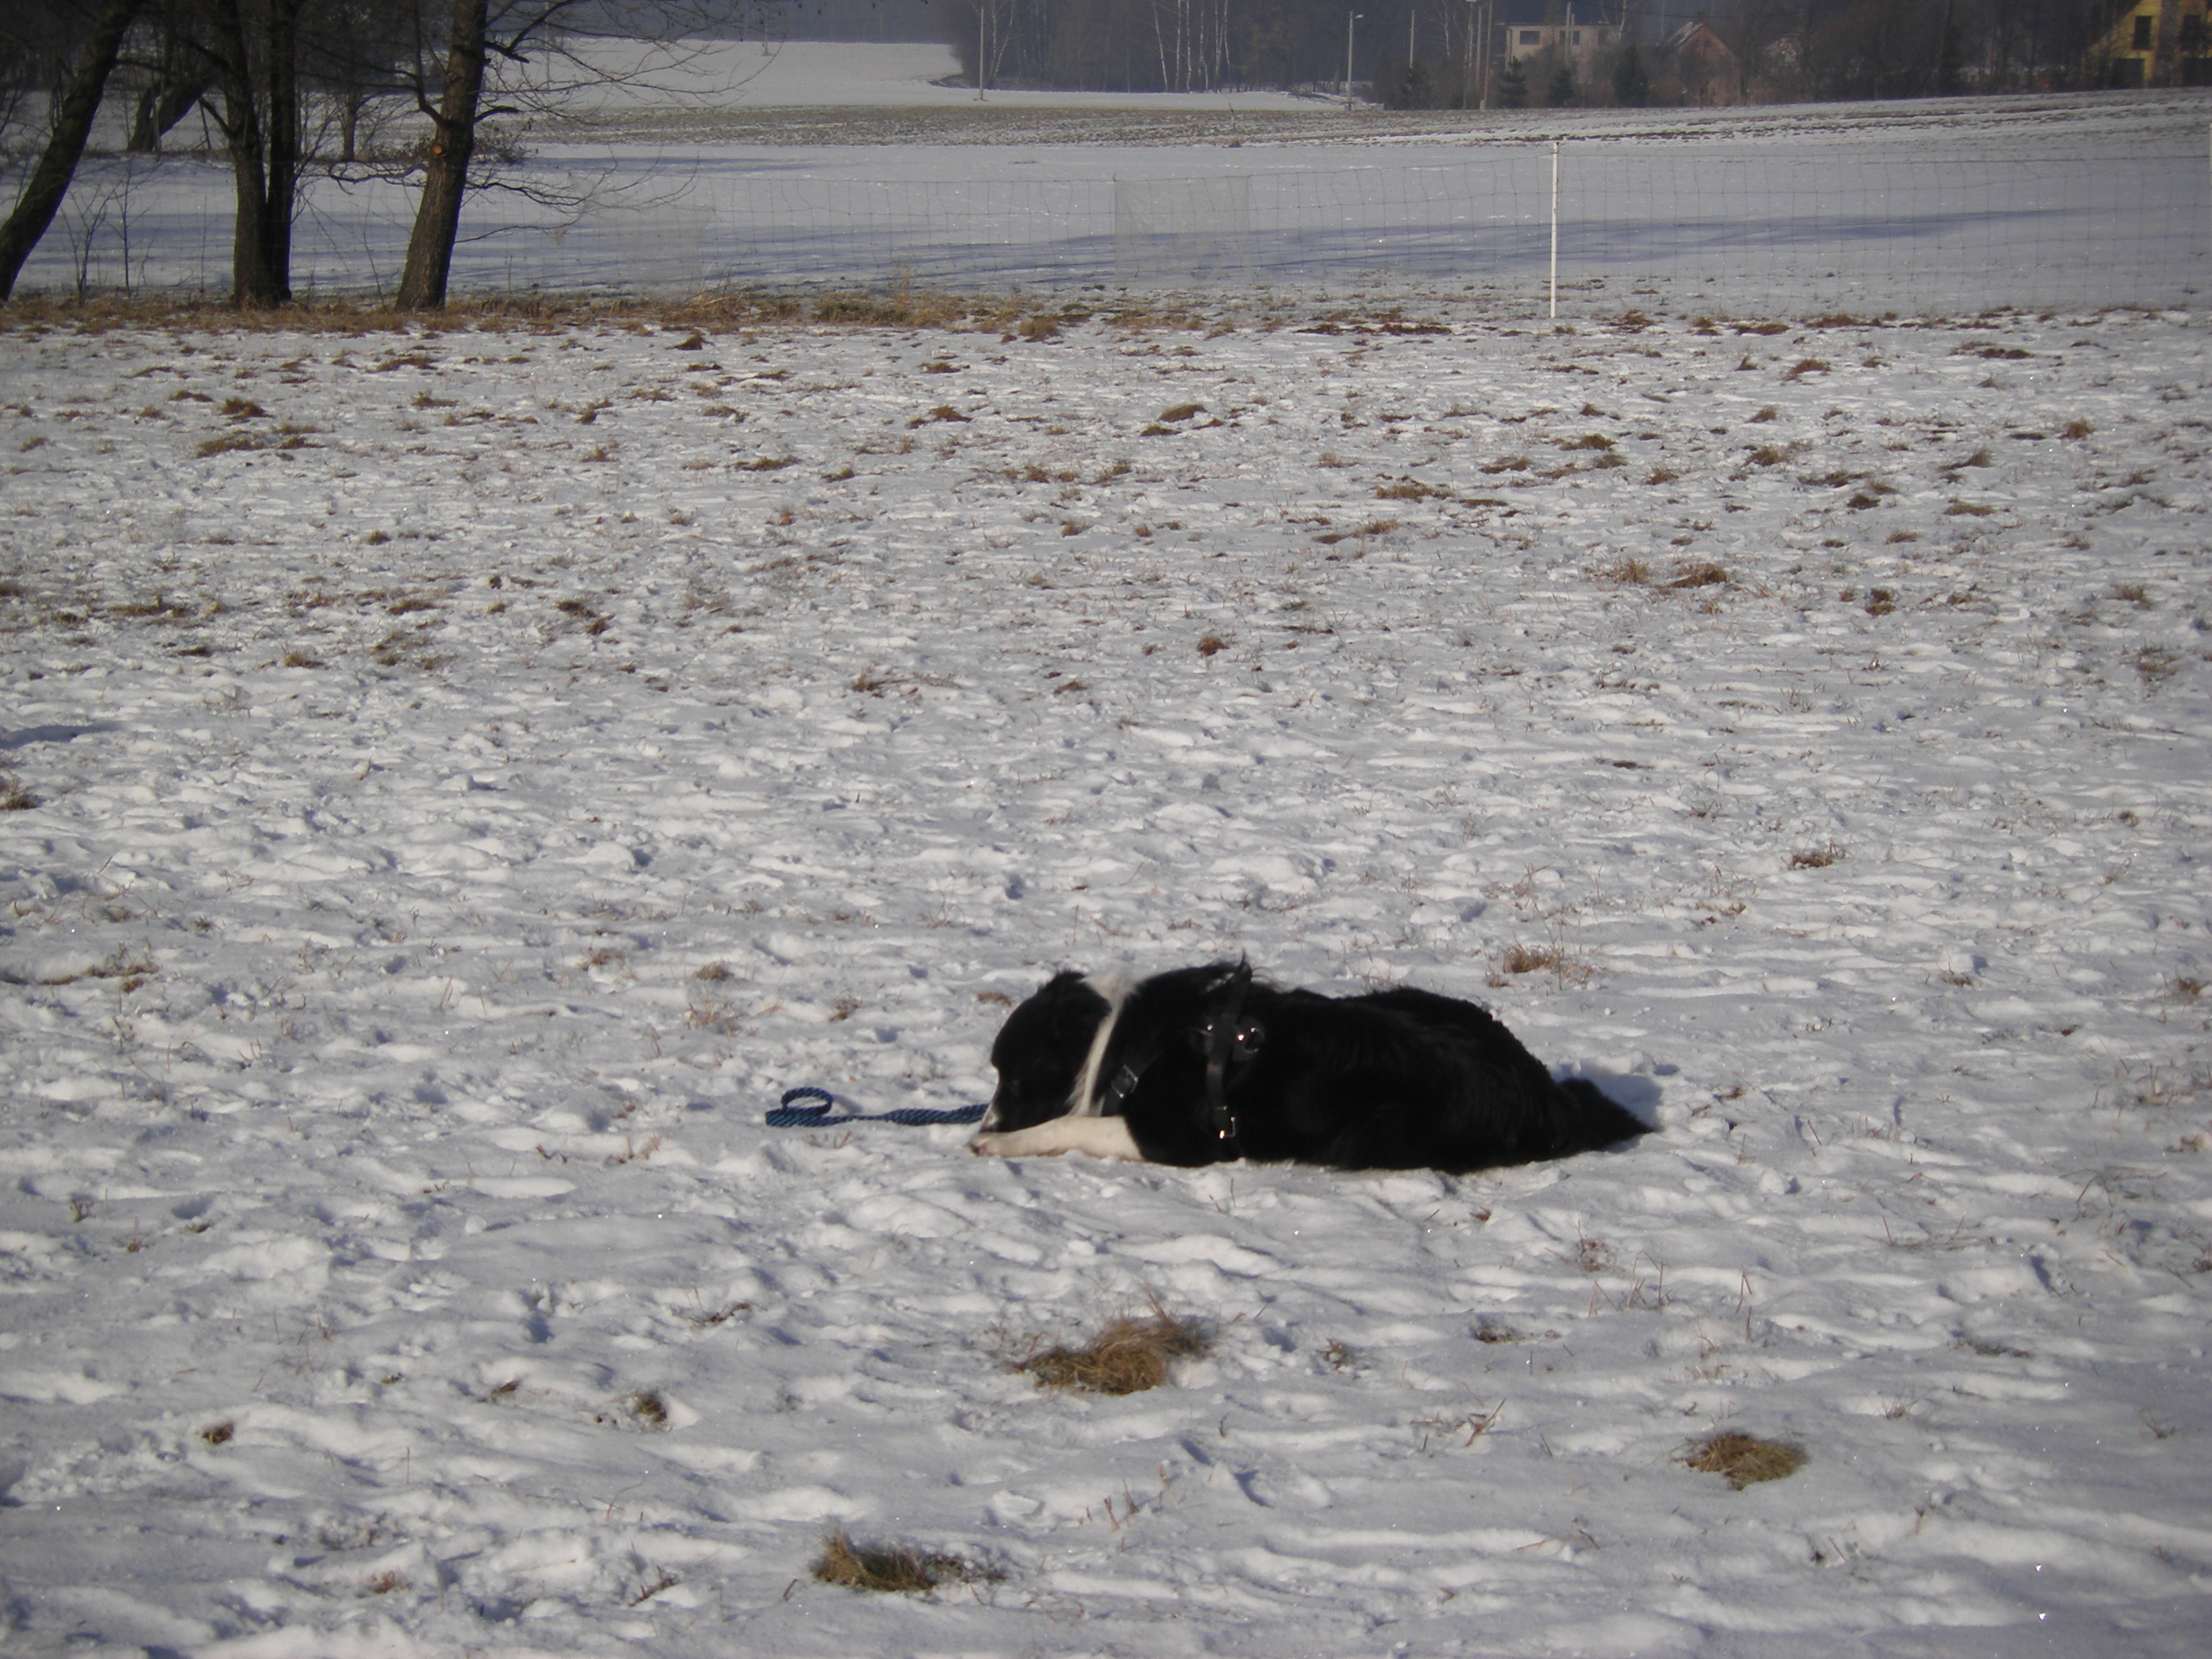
(1204, 1065)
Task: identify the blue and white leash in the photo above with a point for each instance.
(788, 1116)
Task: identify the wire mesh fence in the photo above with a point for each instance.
(1871, 227)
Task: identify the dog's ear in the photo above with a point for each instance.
(1060, 981)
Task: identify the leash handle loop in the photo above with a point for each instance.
(791, 1115)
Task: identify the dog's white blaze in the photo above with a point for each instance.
(1114, 987)
(1101, 1137)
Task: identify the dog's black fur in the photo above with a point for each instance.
(1396, 1080)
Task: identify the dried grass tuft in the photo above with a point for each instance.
(1129, 1357)
(1744, 1460)
(893, 1568)
(1700, 573)
(1531, 958)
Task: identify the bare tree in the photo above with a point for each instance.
(355, 59)
(173, 74)
(256, 44)
(1192, 37)
(1750, 29)
(79, 103)
(476, 60)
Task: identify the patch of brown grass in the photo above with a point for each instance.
(1129, 1357)
(1698, 574)
(1817, 858)
(1744, 1460)
(1532, 958)
(893, 1568)
(2154, 664)
(1627, 572)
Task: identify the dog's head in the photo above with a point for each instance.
(1043, 1052)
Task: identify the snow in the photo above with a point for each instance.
(455, 831)
(1962, 205)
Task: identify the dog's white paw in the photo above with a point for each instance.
(1101, 1137)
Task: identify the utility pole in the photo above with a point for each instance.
(1350, 18)
(1488, 67)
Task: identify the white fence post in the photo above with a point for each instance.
(1555, 230)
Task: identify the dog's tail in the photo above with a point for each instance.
(1597, 1120)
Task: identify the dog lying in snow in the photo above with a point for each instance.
(1204, 1065)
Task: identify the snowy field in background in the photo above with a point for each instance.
(1939, 207)
(475, 773)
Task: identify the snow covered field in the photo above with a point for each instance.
(1936, 206)
(462, 778)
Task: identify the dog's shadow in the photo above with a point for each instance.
(1636, 1093)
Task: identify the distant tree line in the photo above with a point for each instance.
(1147, 46)
(1427, 53)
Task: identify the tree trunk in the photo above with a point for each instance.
(50, 179)
(179, 81)
(260, 124)
(160, 107)
(446, 175)
(251, 283)
(283, 69)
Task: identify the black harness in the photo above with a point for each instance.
(1229, 1041)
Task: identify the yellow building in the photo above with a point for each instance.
(2155, 43)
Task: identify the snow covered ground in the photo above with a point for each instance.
(462, 778)
(1960, 205)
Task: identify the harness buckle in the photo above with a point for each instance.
(1227, 1037)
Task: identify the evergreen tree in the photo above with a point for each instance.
(1562, 89)
(1632, 82)
(1512, 85)
(1387, 86)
